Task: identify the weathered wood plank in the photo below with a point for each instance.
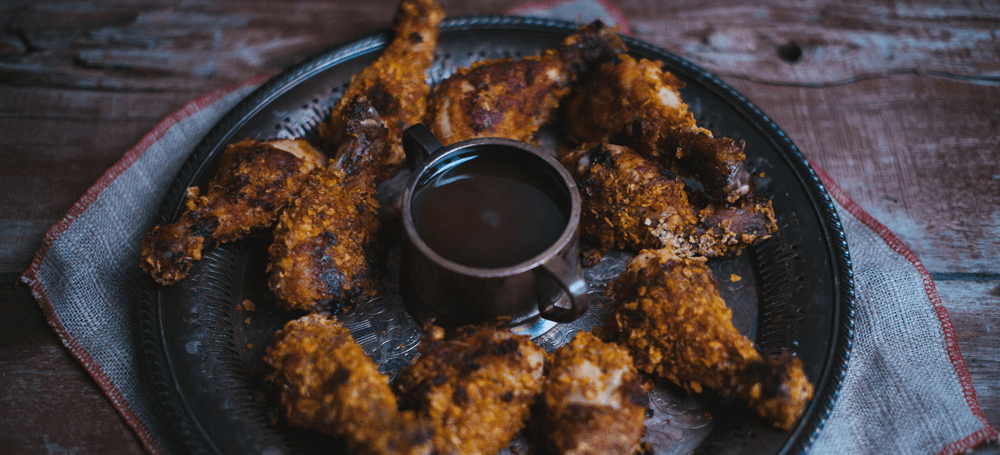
(166, 46)
(66, 412)
(789, 42)
(920, 154)
(159, 45)
(56, 144)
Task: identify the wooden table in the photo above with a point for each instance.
(899, 102)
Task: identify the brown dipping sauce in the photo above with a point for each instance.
(490, 208)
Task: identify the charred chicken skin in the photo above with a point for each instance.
(470, 394)
(326, 382)
(475, 388)
(627, 200)
(669, 315)
(514, 98)
(325, 248)
(635, 103)
(594, 402)
(632, 202)
(395, 83)
(254, 183)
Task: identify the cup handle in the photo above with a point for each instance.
(570, 280)
(419, 143)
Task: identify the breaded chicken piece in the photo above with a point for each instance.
(396, 82)
(628, 201)
(594, 402)
(635, 103)
(514, 98)
(476, 388)
(325, 248)
(254, 183)
(669, 314)
(631, 202)
(326, 382)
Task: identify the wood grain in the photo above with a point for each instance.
(166, 46)
(66, 139)
(826, 43)
(896, 101)
(49, 403)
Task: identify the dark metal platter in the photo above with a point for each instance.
(204, 342)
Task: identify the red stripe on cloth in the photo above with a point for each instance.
(95, 371)
(951, 340)
(620, 20)
(30, 276)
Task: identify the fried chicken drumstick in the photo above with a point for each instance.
(669, 314)
(475, 388)
(635, 103)
(514, 98)
(254, 183)
(395, 83)
(631, 202)
(325, 381)
(594, 402)
(325, 248)
(628, 200)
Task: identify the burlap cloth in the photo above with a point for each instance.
(907, 389)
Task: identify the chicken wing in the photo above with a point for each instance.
(635, 103)
(631, 202)
(476, 388)
(514, 98)
(395, 83)
(594, 402)
(254, 183)
(325, 381)
(325, 248)
(669, 314)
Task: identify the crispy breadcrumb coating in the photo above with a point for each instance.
(669, 314)
(475, 388)
(628, 201)
(325, 248)
(396, 82)
(326, 382)
(594, 402)
(514, 98)
(254, 182)
(635, 103)
(631, 202)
